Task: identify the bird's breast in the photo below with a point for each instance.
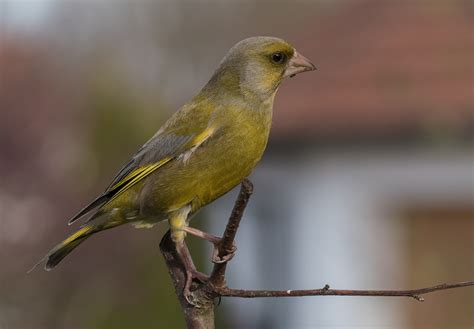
(214, 167)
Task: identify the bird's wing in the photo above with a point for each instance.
(162, 148)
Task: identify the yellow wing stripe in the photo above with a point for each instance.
(76, 235)
(202, 137)
(140, 173)
(137, 175)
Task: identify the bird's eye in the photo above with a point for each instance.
(278, 58)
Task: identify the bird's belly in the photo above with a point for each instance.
(206, 174)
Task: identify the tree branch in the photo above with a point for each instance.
(326, 291)
(217, 279)
(200, 314)
(201, 317)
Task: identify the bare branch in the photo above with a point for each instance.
(200, 314)
(226, 246)
(201, 317)
(326, 291)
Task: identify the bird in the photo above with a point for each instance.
(210, 145)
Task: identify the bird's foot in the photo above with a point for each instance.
(215, 240)
(192, 274)
(229, 254)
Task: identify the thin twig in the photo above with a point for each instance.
(217, 278)
(326, 291)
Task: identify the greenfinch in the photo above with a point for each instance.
(205, 149)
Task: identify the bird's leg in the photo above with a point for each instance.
(215, 240)
(190, 269)
(177, 224)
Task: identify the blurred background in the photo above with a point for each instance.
(367, 182)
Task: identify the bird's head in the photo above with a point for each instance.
(256, 66)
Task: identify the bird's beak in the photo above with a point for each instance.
(298, 64)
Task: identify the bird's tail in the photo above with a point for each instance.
(64, 248)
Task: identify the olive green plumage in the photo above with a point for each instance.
(205, 149)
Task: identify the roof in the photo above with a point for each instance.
(384, 67)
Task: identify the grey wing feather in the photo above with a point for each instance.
(157, 148)
(152, 151)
